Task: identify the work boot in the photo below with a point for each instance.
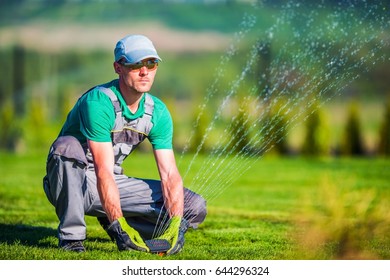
(72, 245)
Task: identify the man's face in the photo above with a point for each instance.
(137, 77)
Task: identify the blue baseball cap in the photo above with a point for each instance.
(134, 48)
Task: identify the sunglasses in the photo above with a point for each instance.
(150, 64)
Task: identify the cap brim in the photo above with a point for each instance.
(137, 56)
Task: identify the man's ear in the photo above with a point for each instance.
(117, 67)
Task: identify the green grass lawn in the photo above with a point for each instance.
(280, 209)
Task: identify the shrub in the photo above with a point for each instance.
(343, 221)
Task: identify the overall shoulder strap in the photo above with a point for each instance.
(112, 96)
(119, 122)
(145, 123)
(149, 104)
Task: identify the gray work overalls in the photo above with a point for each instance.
(70, 182)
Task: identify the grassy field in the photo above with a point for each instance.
(281, 209)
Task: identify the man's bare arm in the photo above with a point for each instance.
(171, 182)
(103, 157)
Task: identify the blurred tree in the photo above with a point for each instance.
(352, 142)
(12, 106)
(239, 141)
(11, 132)
(198, 141)
(315, 142)
(274, 128)
(262, 74)
(384, 136)
(311, 145)
(19, 97)
(6, 74)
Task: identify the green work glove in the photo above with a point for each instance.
(126, 237)
(174, 234)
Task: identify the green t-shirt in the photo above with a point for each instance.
(93, 117)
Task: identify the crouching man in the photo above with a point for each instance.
(84, 173)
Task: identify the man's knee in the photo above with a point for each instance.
(195, 208)
(70, 148)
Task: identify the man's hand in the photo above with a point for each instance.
(126, 237)
(175, 234)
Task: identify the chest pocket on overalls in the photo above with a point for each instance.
(125, 141)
